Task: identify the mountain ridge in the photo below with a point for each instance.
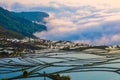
(33, 16)
(17, 24)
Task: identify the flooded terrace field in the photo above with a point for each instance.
(91, 64)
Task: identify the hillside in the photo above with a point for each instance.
(9, 34)
(33, 16)
(18, 24)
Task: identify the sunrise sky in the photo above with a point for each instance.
(89, 21)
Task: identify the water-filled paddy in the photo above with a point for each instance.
(78, 65)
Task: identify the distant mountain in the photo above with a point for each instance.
(33, 16)
(17, 24)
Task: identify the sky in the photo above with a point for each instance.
(85, 21)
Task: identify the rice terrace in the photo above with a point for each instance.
(49, 64)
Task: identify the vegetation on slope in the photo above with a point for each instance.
(4, 33)
(33, 16)
(18, 24)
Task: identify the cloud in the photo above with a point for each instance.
(101, 4)
(103, 33)
(108, 39)
(95, 22)
(86, 24)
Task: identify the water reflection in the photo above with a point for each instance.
(80, 64)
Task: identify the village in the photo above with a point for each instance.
(30, 45)
(17, 47)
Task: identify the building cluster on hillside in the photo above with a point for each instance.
(9, 46)
(39, 43)
(49, 44)
(58, 44)
(114, 47)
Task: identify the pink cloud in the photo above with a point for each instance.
(71, 18)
